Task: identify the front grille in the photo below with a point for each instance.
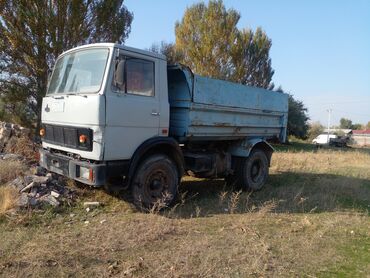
(58, 134)
(67, 136)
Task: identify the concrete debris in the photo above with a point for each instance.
(50, 200)
(92, 204)
(28, 187)
(11, 156)
(28, 179)
(41, 179)
(23, 200)
(55, 194)
(18, 183)
(5, 134)
(39, 190)
(40, 171)
(7, 131)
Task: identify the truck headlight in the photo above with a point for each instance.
(86, 173)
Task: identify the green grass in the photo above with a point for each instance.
(356, 250)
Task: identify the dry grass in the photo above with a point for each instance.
(10, 169)
(311, 220)
(255, 244)
(8, 198)
(23, 146)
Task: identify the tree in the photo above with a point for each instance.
(357, 126)
(368, 125)
(34, 33)
(345, 123)
(297, 117)
(314, 130)
(212, 45)
(169, 50)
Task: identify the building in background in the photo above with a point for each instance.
(361, 137)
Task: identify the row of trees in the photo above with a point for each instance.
(347, 124)
(34, 33)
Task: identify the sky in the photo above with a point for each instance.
(320, 49)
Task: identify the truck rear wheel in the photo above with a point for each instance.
(250, 173)
(155, 182)
(255, 170)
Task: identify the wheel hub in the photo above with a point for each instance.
(156, 184)
(255, 170)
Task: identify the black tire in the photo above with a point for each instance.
(155, 182)
(235, 180)
(255, 170)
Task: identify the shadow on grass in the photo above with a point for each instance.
(285, 192)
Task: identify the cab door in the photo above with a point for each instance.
(132, 104)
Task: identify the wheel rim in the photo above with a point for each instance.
(256, 171)
(156, 184)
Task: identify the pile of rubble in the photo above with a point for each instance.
(39, 189)
(8, 131)
(43, 189)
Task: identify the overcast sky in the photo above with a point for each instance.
(320, 49)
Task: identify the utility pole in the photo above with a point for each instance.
(329, 116)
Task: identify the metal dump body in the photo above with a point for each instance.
(203, 108)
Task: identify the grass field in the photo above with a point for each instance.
(311, 220)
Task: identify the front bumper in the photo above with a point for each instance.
(72, 168)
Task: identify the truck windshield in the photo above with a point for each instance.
(79, 72)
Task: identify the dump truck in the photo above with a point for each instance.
(118, 115)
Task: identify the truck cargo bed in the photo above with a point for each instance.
(203, 108)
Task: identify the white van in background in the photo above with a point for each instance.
(323, 139)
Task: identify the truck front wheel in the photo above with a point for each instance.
(155, 182)
(255, 170)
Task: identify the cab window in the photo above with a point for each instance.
(138, 76)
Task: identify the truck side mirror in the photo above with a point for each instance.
(119, 79)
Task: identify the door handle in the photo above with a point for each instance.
(155, 113)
